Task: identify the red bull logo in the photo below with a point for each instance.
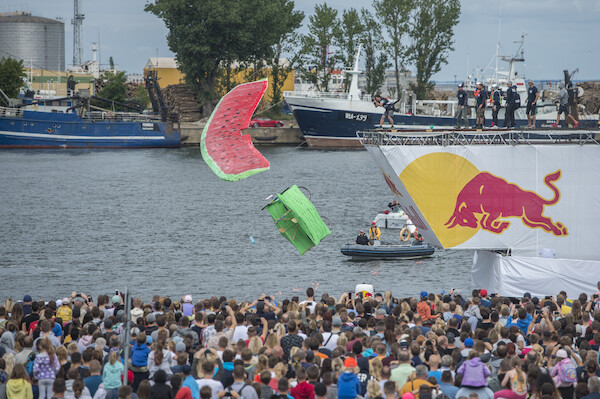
(486, 201)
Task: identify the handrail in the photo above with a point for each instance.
(323, 94)
(443, 137)
(11, 112)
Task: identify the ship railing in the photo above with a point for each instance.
(439, 107)
(11, 112)
(97, 116)
(323, 94)
(460, 138)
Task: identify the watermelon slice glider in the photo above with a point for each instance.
(228, 152)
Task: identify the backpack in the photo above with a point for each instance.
(517, 100)
(29, 364)
(567, 372)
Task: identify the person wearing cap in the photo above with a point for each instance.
(348, 384)
(563, 107)
(496, 101)
(374, 234)
(188, 308)
(511, 105)
(27, 300)
(480, 103)
(64, 311)
(533, 96)
(564, 373)
(483, 294)
(463, 107)
(362, 239)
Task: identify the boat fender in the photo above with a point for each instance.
(404, 234)
(109, 115)
(418, 236)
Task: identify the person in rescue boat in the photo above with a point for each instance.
(374, 234)
(362, 239)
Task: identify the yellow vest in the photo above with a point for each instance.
(374, 233)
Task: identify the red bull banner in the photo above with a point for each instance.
(526, 198)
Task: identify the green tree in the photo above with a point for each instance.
(111, 62)
(316, 60)
(203, 33)
(113, 89)
(431, 30)
(285, 44)
(376, 61)
(393, 15)
(347, 36)
(280, 71)
(11, 76)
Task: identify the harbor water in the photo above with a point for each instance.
(160, 222)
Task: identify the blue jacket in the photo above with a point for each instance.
(191, 383)
(348, 386)
(139, 355)
(522, 324)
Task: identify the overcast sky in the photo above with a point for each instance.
(560, 34)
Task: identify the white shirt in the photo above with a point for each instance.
(241, 332)
(332, 343)
(214, 385)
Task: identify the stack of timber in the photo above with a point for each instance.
(591, 96)
(181, 100)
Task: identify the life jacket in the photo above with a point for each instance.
(492, 97)
(477, 93)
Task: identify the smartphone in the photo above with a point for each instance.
(555, 313)
(547, 297)
(595, 296)
(403, 345)
(349, 295)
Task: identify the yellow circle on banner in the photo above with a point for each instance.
(434, 182)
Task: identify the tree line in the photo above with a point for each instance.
(214, 40)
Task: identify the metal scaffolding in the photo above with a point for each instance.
(487, 137)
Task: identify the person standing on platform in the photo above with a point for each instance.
(511, 105)
(563, 100)
(481, 99)
(533, 95)
(463, 107)
(496, 100)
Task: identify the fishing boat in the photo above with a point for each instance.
(72, 122)
(331, 119)
(388, 251)
(37, 129)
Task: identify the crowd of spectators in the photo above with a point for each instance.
(432, 346)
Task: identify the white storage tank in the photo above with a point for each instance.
(33, 39)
